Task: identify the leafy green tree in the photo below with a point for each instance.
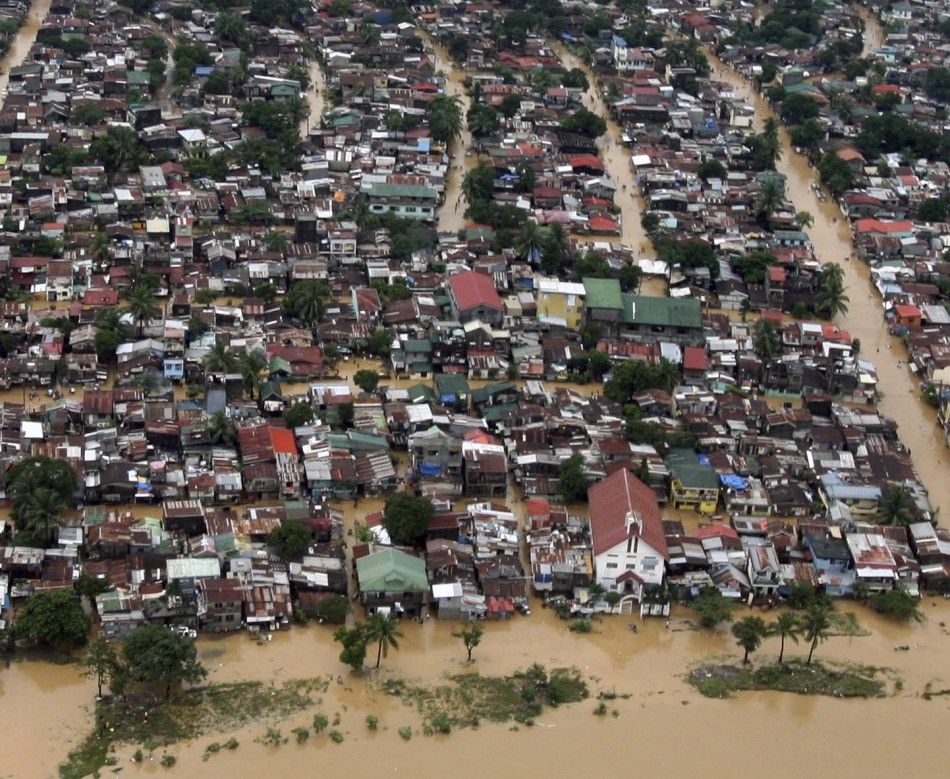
(598, 364)
(54, 618)
(816, 624)
(384, 632)
(572, 481)
(482, 120)
(510, 105)
(749, 632)
(835, 173)
(100, 663)
(87, 114)
(118, 149)
(367, 380)
(479, 182)
(380, 342)
(406, 517)
(898, 604)
(933, 209)
(786, 626)
(332, 610)
(156, 656)
(298, 415)
(471, 637)
(290, 539)
(896, 508)
(711, 169)
(585, 122)
(712, 607)
(353, 644)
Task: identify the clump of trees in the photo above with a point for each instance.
(406, 517)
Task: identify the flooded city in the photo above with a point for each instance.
(592, 452)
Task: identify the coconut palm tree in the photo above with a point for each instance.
(529, 240)
(222, 429)
(831, 299)
(307, 301)
(765, 338)
(667, 375)
(896, 508)
(252, 365)
(445, 117)
(143, 308)
(220, 359)
(804, 220)
(770, 199)
(749, 632)
(29, 476)
(815, 626)
(786, 626)
(41, 513)
(385, 632)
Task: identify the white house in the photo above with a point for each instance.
(629, 545)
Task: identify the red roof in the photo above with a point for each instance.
(777, 275)
(586, 161)
(471, 289)
(611, 500)
(602, 224)
(695, 359)
(877, 226)
(714, 531)
(282, 440)
(906, 311)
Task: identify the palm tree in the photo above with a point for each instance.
(385, 632)
(445, 117)
(770, 137)
(749, 632)
(252, 365)
(896, 508)
(786, 626)
(831, 299)
(815, 625)
(804, 220)
(220, 359)
(765, 338)
(529, 240)
(41, 513)
(770, 198)
(222, 429)
(667, 375)
(150, 383)
(307, 301)
(143, 308)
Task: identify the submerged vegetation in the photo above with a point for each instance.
(796, 676)
(212, 708)
(466, 699)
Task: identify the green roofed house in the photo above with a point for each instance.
(392, 582)
(694, 485)
(654, 319)
(452, 390)
(604, 303)
(411, 201)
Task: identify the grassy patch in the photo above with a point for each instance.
(466, 699)
(214, 708)
(846, 681)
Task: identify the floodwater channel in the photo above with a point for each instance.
(831, 236)
(20, 43)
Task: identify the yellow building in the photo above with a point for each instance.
(560, 303)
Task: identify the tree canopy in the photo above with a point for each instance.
(406, 517)
(54, 618)
(156, 656)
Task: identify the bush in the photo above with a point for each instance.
(405, 733)
(581, 626)
(898, 604)
(320, 723)
(168, 761)
(372, 723)
(442, 724)
(302, 734)
(712, 607)
(336, 737)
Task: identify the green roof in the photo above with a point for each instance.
(417, 346)
(662, 312)
(485, 393)
(139, 78)
(686, 468)
(420, 391)
(451, 384)
(383, 189)
(603, 293)
(390, 570)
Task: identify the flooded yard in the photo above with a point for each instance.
(23, 40)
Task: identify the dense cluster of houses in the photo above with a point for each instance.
(137, 155)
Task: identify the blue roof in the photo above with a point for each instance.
(204, 70)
